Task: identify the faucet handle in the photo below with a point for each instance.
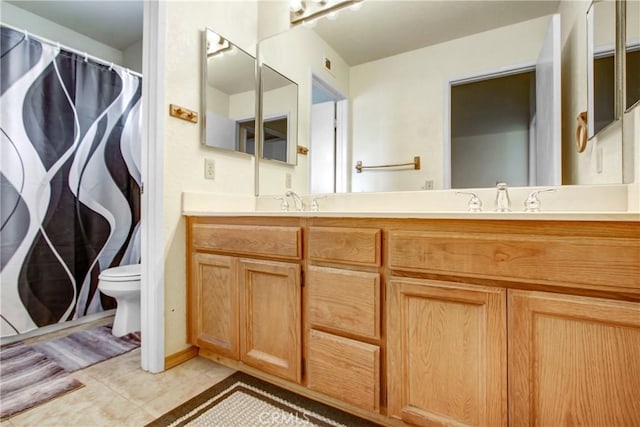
(284, 204)
(475, 204)
(315, 207)
(532, 204)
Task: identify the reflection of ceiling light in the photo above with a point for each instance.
(218, 46)
(332, 16)
(305, 12)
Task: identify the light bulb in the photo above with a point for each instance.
(296, 6)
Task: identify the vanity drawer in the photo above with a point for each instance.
(357, 246)
(345, 369)
(585, 261)
(344, 300)
(271, 241)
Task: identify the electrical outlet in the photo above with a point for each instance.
(287, 181)
(428, 184)
(209, 169)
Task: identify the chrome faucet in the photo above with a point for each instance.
(532, 204)
(503, 203)
(475, 204)
(298, 203)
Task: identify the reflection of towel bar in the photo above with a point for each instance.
(415, 164)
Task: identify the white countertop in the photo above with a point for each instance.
(537, 216)
(618, 202)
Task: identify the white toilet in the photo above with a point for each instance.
(123, 284)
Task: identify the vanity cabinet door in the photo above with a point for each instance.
(446, 353)
(270, 318)
(573, 360)
(213, 304)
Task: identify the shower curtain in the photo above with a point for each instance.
(70, 180)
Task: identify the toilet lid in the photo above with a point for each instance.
(121, 273)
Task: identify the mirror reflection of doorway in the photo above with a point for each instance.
(328, 139)
(484, 109)
(492, 122)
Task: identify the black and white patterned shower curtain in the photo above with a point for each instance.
(70, 181)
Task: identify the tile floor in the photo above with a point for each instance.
(118, 392)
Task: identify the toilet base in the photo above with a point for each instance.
(127, 318)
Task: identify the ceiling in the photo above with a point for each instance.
(382, 28)
(115, 23)
(400, 25)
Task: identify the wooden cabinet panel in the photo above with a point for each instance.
(343, 368)
(270, 317)
(573, 360)
(271, 241)
(344, 300)
(608, 262)
(357, 246)
(446, 353)
(213, 316)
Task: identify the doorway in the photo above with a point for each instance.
(328, 163)
(491, 124)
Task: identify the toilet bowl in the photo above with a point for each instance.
(123, 284)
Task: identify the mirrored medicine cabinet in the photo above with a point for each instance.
(229, 101)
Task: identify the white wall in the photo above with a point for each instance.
(42, 27)
(389, 126)
(183, 152)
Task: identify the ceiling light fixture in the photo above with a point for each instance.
(305, 12)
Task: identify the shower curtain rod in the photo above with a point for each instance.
(70, 49)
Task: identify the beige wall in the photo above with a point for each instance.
(184, 155)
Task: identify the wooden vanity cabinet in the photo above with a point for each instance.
(424, 321)
(243, 308)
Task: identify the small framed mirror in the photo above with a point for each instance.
(229, 95)
(601, 75)
(279, 116)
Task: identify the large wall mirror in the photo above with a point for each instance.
(229, 95)
(386, 73)
(394, 81)
(601, 72)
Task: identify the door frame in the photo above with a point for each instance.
(152, 262)
(470, 78)
(342, 158)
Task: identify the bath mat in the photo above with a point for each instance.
(28, 378)
(241, 400)
(85, 348)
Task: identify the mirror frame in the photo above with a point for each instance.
(617, 78)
